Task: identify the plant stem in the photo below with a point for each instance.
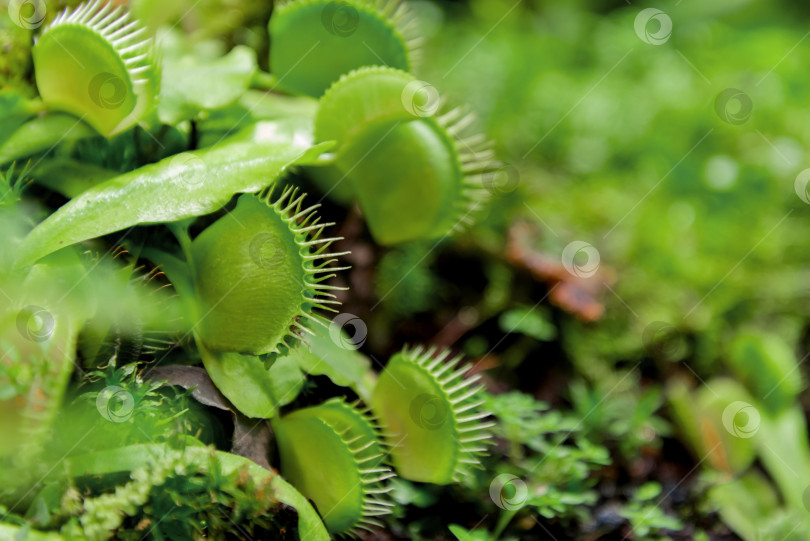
(264, 81)
(503, 521)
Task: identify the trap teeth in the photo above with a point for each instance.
(379, 116)
(439, 431)
(107, 59)
(263, 303)
(338, 441)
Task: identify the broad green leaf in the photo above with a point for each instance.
(743, 501)
(292, 130)
(286, 378)
(12, 104)
(244, 380)
(178, 187)
(255, 390)
(297, 113)
(766, 364)
(70, 177)
(14, 111)
(25, 533)
(782, 443)
(43, 133)
(192, 84)
(463, 534)
(266, 105)
(343, 365)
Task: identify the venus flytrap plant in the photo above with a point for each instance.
(259, 277)
(38, 336)
(332, 454)
(700, 417)
(402, 151)
(434, 432)
(431, 416)
(316, 41)
(405, 154)
(173, 189)
(731, 423)
(96, 63)
(260, 271)
(45, 334)
(254, 282)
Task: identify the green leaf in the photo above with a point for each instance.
(463, 534)
(533, 322)
(743, 503)
(245, 381)
(286, 378)
(767, 366)
(783, 448)
(70, 177)
(12, 104)
(345, 367)
(406, 493)
(14, 110)
(290, 115)
(291, 130)
(43, 133)
(8, 531)
(178, 187)
(648, 491)
(192, 83)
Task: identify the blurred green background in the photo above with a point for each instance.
(677, 153)
(618, 144)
